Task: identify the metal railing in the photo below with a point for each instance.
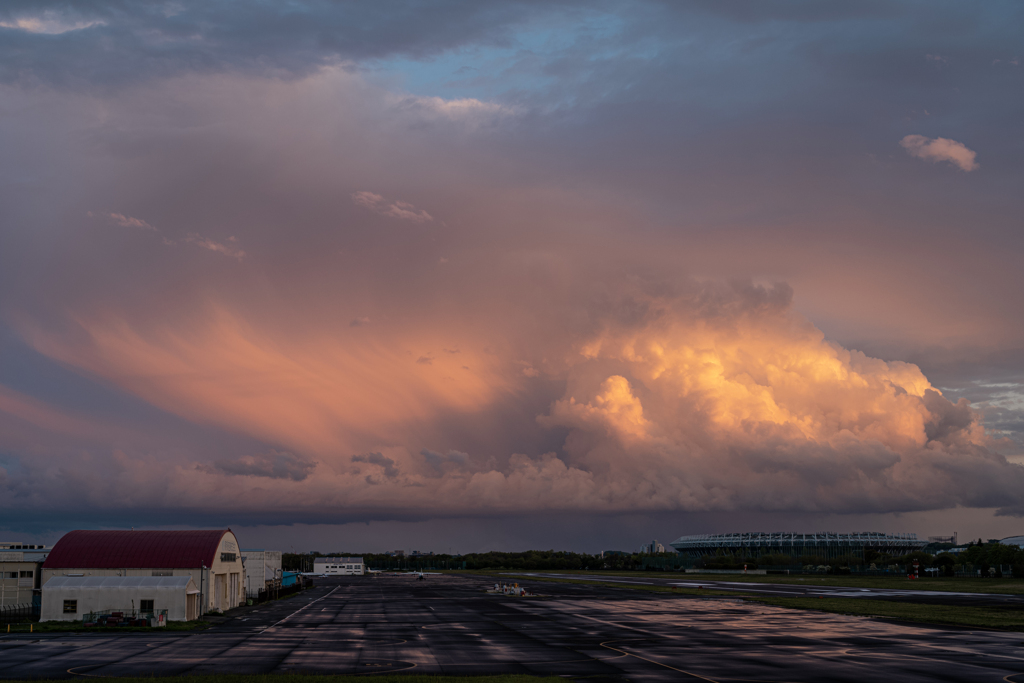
(124, 617)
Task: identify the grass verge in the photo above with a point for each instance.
(952, 584)
(76, 627)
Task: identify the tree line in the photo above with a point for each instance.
(527, 560)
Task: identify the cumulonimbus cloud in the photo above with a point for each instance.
(714, 398)
(941, 149)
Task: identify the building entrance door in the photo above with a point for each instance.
(233, 595)
(218, 590)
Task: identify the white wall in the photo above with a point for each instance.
(112, 598)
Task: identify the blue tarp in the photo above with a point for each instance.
(289, 578)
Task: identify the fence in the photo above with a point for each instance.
(14, 614)
(276, 591)
(125, 617)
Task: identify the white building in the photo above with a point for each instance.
(652, 548)
(73, 598)
(210, 557)
(261, 567)
(20, 569)
(339, 566)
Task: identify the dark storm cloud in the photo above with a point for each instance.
(271, 465)
(386, 464)
(110, 43)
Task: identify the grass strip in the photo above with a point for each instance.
(76, 627)
(944, 583)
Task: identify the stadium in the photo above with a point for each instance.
(825, 545)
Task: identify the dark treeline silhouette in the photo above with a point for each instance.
(991, 559)
(528, 560)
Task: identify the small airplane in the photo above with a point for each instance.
(420, 576)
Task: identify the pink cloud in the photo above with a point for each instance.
(230, 249)
(129, 222)
(941, 149)
(396, 209)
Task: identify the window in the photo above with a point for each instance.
(10, 575)
(227, 557)
(163, 572)
(145, 605)
(71, 607)
(26, 574)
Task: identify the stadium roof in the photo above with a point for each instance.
(135, 549)
(784, 541)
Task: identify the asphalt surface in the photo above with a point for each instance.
(784, 590)
(448, 624)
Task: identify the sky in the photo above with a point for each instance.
(461, 276)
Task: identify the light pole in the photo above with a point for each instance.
(202, 601)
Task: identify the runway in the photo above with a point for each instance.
(449, 625)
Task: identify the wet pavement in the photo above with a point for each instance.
(448, 624)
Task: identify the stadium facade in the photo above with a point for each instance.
(827, 545)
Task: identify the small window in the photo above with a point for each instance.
(71, 607)
(26, 574)
(227, 557)
(10, 575)
(145, 605)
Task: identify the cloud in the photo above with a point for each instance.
(729, 402)
(702, 398)
(397, 209)
(445, 462)
(386, 464)
(359, 321)
(49, 23)
(129, 222)
(164, 40)
(272, 465)
(467, 110)
(573, 224)
(230, 249)
(940, 149)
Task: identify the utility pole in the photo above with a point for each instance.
(202, 603)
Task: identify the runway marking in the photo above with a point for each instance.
(577, 578)
(652, 661)
(311, 602)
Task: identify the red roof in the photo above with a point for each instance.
(135, 549)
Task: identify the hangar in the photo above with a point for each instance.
(210, 557)
(74, 598)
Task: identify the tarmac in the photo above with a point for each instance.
(449, 624)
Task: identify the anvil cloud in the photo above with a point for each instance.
(659, 260)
